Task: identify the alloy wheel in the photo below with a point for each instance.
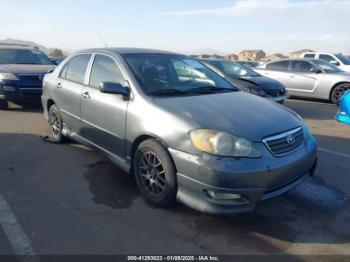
(152, 174)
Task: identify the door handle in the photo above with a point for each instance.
(86, 95)
(292, 76)
(59, 85)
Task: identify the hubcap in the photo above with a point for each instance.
(340, 91)
(55, 123)
(152, 174)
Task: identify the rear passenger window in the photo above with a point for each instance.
(105, 69)
(278, 66)
(309, 56)
(76, 68)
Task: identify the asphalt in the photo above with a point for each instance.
(68, 199)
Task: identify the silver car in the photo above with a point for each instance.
(183, 131)
(309, 78)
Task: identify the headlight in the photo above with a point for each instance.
(8, 76)
(223, 144)
(258, 92)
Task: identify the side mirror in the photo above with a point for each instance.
(115, 88)
(333, 62)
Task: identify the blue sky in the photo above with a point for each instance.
(188, 26)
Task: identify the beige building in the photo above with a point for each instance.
(231, 57)
(274, 57)
(298, 53)
(251, 55)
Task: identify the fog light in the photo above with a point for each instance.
(223, 196)
(9, 88)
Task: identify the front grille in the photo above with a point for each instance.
(31, 77)
(285, 143)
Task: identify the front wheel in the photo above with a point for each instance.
(56, 124)
(155, 173)
(338, 92)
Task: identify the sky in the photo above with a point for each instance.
(186, 26)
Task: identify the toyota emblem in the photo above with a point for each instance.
(290, 140)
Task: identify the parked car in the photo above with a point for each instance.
(22, 69)
(248, 80)
(182, 130)
(57, 60)
(344, 109)
(338, 60)
(248, 63)
(308, 78)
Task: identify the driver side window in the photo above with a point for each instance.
(303, 67)
(105, 69)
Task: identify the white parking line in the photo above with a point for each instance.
(14, 231)
(333, 152)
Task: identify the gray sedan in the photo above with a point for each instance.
(308, 78)
(183, 131)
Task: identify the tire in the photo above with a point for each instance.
(338, 91)
(3, 104)
(155, 173)
(56, 124)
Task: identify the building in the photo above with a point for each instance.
(251, 55)
(231, 57)
(274, 57)
(298, 53)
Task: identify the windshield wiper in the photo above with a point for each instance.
(210, 89)
(169, 91)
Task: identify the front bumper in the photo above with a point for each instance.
(252, 179)
(18, 91)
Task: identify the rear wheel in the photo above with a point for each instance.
(56, 125)
(338, 92)
(155, 173)
(3, 104)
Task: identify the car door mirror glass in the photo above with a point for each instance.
(115, 88)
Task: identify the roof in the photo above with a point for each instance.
(295, 59)
(125, 50)
(16, 46)
(302, 51)
(251, 51)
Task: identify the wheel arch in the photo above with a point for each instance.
(335, 85)
(141, 138)
(49, 103)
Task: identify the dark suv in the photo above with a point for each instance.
(22, 69)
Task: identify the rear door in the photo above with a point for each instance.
(68, 90)
(303, 78)
(104, 115)
(279, 71)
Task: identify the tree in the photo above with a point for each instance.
(56, 53)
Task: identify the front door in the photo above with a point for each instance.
(104, 115)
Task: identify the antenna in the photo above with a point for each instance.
(103, 41)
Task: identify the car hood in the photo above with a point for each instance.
(26, 69)
(238, 113)
(262, 82)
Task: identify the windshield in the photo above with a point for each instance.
(345, 60)
(170, 74)
(233, 69)
(23, 56)
(327, 67)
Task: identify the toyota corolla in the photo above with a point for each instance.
(182, 130)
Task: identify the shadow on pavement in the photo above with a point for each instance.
(73, 179)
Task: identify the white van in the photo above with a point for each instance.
(338, 60)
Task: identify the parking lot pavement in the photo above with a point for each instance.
(68, 199)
